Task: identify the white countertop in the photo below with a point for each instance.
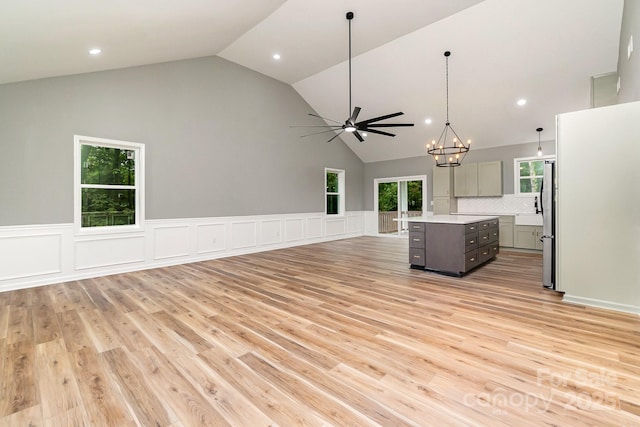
(449, 219)
(520, 218)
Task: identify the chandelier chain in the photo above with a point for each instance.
(447, 85)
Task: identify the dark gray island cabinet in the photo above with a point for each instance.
(452, 244)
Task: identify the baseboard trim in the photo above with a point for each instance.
(609, 305)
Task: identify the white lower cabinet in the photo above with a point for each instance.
(527, 237)
(506, 231)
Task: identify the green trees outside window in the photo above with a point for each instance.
(107, 181)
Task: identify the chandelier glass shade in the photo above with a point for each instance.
(449, 149)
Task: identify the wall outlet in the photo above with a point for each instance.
(630, 47)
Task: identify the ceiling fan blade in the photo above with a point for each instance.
(324, 118)
(315, 126)
(354, 115)
(387, 125)
(381, 132)
(318, 133)
(375, 119)
(335, 136)
(357, 134)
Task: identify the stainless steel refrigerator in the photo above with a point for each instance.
(548, 207)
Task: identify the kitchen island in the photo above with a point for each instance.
(452, 244)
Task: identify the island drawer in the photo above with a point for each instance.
(416, 257)
(470, 242)
(471, 228)
(487, 252)
(416, 226)
(484, 225)
(487, 236)
(416, 239)
(470, 260)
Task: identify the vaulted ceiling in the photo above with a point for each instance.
(544, 51)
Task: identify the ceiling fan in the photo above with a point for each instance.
(351, 125)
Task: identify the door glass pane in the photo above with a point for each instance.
(107, 166)
(103, 207)
(387, 207)
(414, 196)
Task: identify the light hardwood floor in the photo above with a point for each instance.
(339, 333)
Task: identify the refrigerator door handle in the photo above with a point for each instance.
(541, 199)
(546, 236)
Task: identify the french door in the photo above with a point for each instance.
(397, 198)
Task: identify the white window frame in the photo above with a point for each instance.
(341, 191)
(516, 173)
(138, 149)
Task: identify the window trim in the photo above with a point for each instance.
(516, 173)
(78, 141)
(341, 192)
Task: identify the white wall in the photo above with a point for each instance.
(44, 254)
(598, 229)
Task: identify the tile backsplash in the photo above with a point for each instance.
(507, 204)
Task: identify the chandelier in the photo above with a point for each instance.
(449, 150)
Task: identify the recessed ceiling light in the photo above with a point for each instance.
(95, 51)
(521, 102)
(428, 121)
(276, 56)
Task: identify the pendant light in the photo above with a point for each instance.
(449, 150)
(539, 146)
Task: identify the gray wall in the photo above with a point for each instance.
(424, 166)
(217, 136)
(629, 69)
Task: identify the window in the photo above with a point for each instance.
(108, 184)
(528, 172)
(334, 189)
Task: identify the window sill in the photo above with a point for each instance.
(109, 230)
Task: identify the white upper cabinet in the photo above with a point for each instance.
(482, 179)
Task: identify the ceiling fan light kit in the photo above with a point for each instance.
(350, 125)
(450, 149)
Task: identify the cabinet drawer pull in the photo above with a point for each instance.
(472, 228)
(471, 242)
(416, 256)
(472, 259)
(484, 237)
(416, 240)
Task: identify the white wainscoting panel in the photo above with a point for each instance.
(370, 223)
(171, 241)
(243, 234)
(314, 227)
(294, 229)
(44, 254)
(270, 232)
(211, 238)
(355, 223)
(335, 226)
(108, 251)
(30, 255)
